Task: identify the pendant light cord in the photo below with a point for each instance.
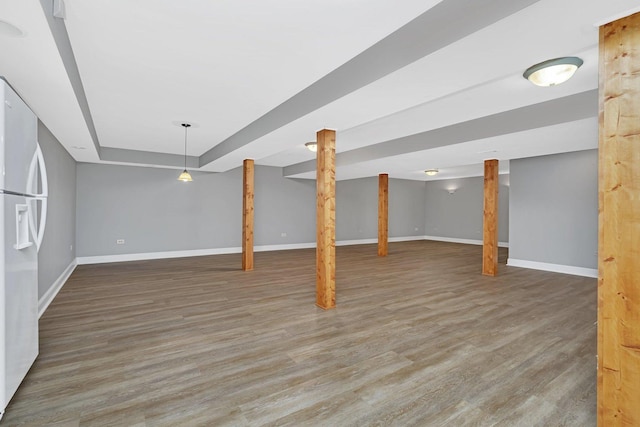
(186, 126)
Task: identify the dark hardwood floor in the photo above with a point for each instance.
(418, 338)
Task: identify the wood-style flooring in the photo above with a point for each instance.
(419, 338)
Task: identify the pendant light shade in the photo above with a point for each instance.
(185, 176)
(312, 146)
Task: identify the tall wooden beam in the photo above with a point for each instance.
(490, 219)
(326, 220)
(247, 214)
(383, 214)
(619, 224)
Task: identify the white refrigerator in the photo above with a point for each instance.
(23, 191)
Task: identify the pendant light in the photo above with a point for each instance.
(185, 176)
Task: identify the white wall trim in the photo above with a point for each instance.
(355, 242)
(463, 241)
(55, 287)
(287, 247)
(403, 239)
(101, 259)
(375, 240)
(555, 268)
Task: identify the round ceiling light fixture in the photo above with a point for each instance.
(553, 72)
(312, 146)
(431, 172)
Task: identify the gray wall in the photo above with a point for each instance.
(357, 208)
(406, 208)
(459, 215)
(58, 243)
(153, 212)
(282, 205)
(554, 209)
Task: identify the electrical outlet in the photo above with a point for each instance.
(120, 242)
(283, 234)
(415, 228)
(70, 247)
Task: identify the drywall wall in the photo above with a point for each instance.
(58, 249)
(406, 208)
(459, 215)
(357, 208)
(282, 206)
(153, 212)
(554, 209)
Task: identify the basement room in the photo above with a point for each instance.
(320, 213)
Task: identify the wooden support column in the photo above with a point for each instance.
(383, 214)
(247, 214)
(490, 219)
(326, 220)
(619, 224)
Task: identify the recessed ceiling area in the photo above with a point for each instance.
(407, 85)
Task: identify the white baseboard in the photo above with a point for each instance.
(463, 241)
(101, 259)
(268, 248)
(354, 242)
(403, 239)
(55, 288)
(555, 268)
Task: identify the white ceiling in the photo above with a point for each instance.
(401, 82)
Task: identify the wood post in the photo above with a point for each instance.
(247, 214)
(619, 224)
(490, 219)
(383, 214)
(326, 220)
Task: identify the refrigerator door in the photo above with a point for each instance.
(18, 140)
(18, 296)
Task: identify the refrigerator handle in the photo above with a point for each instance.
(38, 165)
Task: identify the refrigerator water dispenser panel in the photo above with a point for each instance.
(22, 227)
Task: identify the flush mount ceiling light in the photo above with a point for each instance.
(185, 176)
(553, 72)
(312, 146)
(431, 172)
